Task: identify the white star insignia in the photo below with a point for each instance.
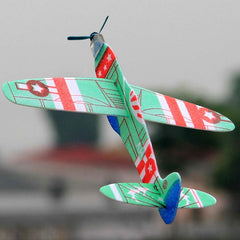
(37, 88)
(132, 193)
(209, 115)
(150, 168)
(99, 73)
(141, 189)
(109, 57)
(105, 67)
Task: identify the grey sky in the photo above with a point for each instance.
(163, 45)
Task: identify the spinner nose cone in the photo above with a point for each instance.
(92, 35)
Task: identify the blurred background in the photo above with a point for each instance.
(53, 163)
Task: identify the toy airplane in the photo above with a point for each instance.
(127, 107)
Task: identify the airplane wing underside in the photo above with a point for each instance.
(90, 95)
(160, 108)
(101, 96)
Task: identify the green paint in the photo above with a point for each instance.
(146, 194)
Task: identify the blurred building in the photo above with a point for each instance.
(52, 193)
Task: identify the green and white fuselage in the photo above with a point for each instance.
(132, 128)
(133, 131)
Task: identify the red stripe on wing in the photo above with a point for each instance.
(64, 94)
(195, 116)
(176, 112)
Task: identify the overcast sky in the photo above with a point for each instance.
(162, 45)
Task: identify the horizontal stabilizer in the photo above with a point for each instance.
(191, 198)
(146, 194)
(88, 95)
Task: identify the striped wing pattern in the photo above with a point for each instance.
(88, 95)
(100, 96)
(146, 194)
(191, 198)
(164, 109)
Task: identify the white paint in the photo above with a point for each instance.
(115, 192)
(75, 94)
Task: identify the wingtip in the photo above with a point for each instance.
(7, 92)
(232, 126)
(228, 125)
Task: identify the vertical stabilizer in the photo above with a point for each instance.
(171, 188)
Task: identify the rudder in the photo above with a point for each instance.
(171, 187)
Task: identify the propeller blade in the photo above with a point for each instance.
(78, 37)
(104, 24)
(87, 37)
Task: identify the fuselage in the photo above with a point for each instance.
(132, 129)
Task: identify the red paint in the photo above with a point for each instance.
(136, 107)
(134, 98)
(176, 112)
(149, 174)
(105, 63)
(216, 117)
(195, 116)
(140, 166)
(149, 151)
(44, 89)
(64, 94)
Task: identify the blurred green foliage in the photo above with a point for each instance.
(227, 170)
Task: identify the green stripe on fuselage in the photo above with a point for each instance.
(133, 133)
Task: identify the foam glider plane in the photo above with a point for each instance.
(127, 107)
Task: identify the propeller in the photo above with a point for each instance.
(91, 35)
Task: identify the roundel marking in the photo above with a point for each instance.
(209, 116)
(37, 88)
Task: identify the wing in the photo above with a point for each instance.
(90, 95)
(145, 194)
(163, 109)
(101, 96)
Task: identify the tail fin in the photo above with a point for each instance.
(170, 187)
(167, 201)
